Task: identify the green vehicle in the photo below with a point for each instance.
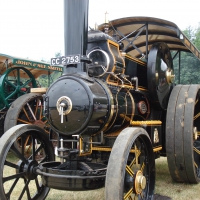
(19, 76)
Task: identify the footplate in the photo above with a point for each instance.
(57, 177)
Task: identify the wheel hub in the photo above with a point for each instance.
(39, 123)
(27, 168)
(140, 182)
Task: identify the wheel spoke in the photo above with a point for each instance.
(27, 188)
(11, 95)
(31, 111)
(9, 83)
(12, 187)
(136, 154)
(195, 164)
(196, 116)
(18, 76)
(26, 114)
(23, 121)
(8, 178)
(128, 194)
(142, 167)
(26, 83)
(41, 113)
(37, 184)
(129, 170)
(9, 164)
(18, 154)
(33, 145)
(36, 152)
(134, 160)
(196, 150)
(24, 189)
(36, 107)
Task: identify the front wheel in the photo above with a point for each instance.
(18, 178)
(131, 167)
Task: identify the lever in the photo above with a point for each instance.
(62, 105)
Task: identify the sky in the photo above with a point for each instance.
(34, 29)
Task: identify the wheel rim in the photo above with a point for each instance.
(18, 177)
(17, 85)
(133, 177)
(182, 133)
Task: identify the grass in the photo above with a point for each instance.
(164, 186)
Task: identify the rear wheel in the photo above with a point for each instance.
(182, 133)
(131, 167)
(18, 178)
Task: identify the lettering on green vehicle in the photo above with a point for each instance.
(36, 65)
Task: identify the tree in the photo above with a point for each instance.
(190, 65)
(197, 37)
(44, 79)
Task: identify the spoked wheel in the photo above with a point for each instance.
(14, 83)
(182, 133)
(18, 179)
(27, 109)
(160, 74)
(131, 167)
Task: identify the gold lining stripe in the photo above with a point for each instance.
(113, 43)
(136, 60)
(151, 122)
(155, 149)
(141, 88)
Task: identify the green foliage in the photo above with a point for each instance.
(190, 65)
(58, 54)
(46, 80)
(197, 36)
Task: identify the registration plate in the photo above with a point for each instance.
(66, 60)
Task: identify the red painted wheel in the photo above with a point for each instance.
(27, 109)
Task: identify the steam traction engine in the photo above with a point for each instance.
(111, 114)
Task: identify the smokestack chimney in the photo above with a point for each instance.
(75, 31)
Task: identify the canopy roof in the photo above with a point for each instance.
(37, 68)
(139, 33)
